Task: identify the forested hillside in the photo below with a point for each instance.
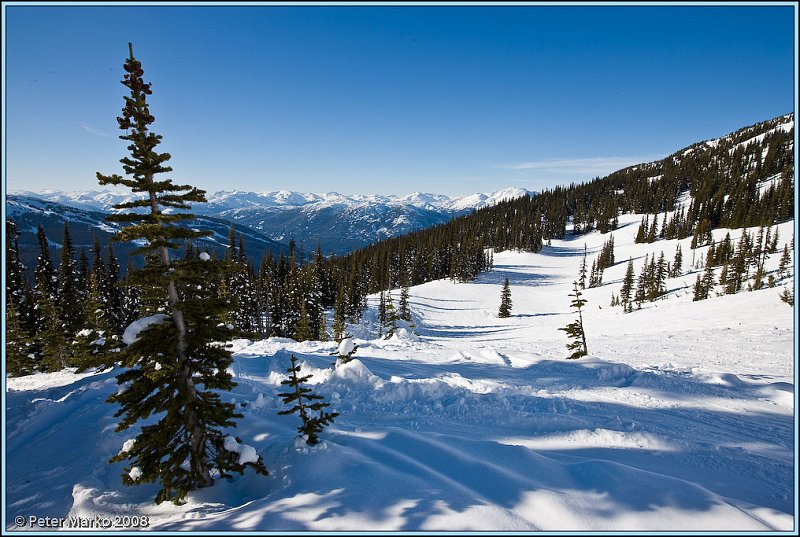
(744, 179)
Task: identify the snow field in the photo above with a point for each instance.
(681, 417)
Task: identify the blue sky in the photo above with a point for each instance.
(387, 99)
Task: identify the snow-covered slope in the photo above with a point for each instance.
(340, 223)
(681, 418)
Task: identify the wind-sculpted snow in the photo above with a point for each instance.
(680, 419)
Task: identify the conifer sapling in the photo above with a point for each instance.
(305, 403)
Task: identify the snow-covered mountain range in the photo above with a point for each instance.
(341, 223)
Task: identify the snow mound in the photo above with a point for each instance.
(346, 347)
(403, 335)
(354, 374)
(247, 453)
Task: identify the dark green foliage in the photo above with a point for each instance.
(505, 300)
(403, 312)
(390, 322)
(625, 294)
(67, 292)
(787, 296)
(303, 327)
(606, 257)
(305, 403)
(677, 263)
(582, 270)
(19, 358)
(575, 329)
(785, 261)
(175, 369)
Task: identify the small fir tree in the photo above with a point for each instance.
(390, 323)
(677, 263)
(303, 327)
(575, 329)
(305, 403)
(403, 311)
(788, 295)
(505, 300)
(785, 261)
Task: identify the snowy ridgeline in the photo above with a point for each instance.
(681, 417)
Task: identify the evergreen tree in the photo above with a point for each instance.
(305, 402)
(113, 294)
(785, 261)
(641, 234)
(68, 298)
(303, 327)
(627, 287)
(652, 229)
(642, 284)
(19, 358)
(390, 324)
(699, 290)
(175, 367)
(18, 290)
(403, 312)
(338, 316)
(677, 263)
(505, 300)
(662, 272)
(582, 271)
(52, 340)
(788, 295)
(381, 313)
(322, 335)
(575, 329)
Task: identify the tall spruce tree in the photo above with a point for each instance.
(505, 300)
(175, 367)
(627, 287)
(575, 329)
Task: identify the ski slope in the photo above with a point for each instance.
(681, 418)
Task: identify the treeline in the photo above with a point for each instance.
(72, 308)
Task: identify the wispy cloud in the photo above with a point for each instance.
(580, 165)
(91, 130)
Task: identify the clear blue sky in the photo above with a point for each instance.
(387, 99)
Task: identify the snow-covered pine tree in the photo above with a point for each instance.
(19, 360)
(175, 366)
(322, 335)
(505, 300)
(68, 298)
(305, 402)
(575, 329)
(20, 295)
